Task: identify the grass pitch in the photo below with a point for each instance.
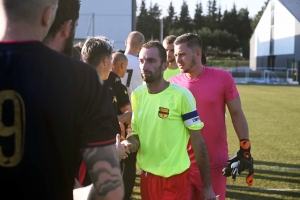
(273, 115)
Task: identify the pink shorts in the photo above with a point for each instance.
(218, 183)
(159, 188)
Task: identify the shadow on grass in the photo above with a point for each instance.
(276, 164)
(243, 196)
(251, 193)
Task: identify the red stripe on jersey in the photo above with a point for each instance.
(81, 173)
(124, 105)
(102, 143)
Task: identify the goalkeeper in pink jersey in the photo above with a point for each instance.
(213, 89)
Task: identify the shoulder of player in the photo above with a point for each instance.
(140, 89)
(177, 89)
(217, 71)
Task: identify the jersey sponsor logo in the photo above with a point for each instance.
(114, 100)
(191, 118)
(12, 128)
(163, 112)
(117, 79)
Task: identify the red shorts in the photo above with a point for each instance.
(159, 188)
(218, 183)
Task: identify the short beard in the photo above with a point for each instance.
(68, 44)
(153, 76)
(171, 60)
(193, 62)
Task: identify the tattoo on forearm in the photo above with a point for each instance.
(104, 170)
(135, 142)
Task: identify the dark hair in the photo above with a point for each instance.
(76, 54)
(120, 51)
(95, 49)
(170, 39)
(193, 41)
(66, 10)
(160, 48)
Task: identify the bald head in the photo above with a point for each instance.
(120, 63)
(135, 38)
(25, 10)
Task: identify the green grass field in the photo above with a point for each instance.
(273, 115)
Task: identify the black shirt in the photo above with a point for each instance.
(120, 91)
(51, 107)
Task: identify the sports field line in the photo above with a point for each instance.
(262, 189)
(276, 168)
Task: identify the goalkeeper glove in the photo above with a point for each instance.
(241, 161)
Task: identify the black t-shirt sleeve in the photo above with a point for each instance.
(96, 112)
(121, 94)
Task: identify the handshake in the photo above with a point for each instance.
(240, 162)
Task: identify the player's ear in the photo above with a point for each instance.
(48, 15)
(105, 60)
(198, 53)
(66, 28)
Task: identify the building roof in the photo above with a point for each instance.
(293, 6)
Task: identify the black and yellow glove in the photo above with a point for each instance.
(240, 162)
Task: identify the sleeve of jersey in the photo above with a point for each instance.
(134, 119)
(231, 91)
(96, 112)
(190, 115)
(121, 94)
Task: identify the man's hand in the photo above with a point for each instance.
(122, 149)
(240, 162)
(208, 193)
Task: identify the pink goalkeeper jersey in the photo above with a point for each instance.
(211, 89)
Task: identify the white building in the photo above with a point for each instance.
(114, 19)
(275, 43)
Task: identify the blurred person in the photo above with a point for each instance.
(76, 54)
(119, 67)
(49, 113)
(97, 51)
(62, 32)
(133, 77)
(213, 89)
(172, 68)
(161, 144)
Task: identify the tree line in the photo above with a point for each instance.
(230, 30)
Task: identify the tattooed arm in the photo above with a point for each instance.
(132, 142)
(103, 167)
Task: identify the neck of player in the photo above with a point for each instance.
(157, 86)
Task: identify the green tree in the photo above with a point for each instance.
(185, 20)
(142, 18)
(148, 21)
(198, 17)
(219, 18)
(169, 20)
(154, 21)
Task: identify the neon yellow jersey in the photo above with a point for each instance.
(168, 73)
(161, 121)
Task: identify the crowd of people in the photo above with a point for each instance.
(77, 120)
